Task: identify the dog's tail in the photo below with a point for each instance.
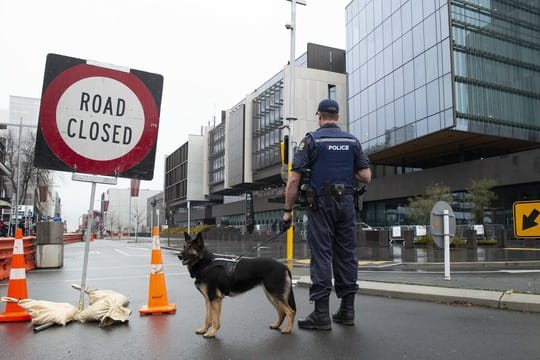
(290, 300)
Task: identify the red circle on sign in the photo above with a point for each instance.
(75, 160)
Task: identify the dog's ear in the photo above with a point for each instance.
(199, 240)
(186, 236)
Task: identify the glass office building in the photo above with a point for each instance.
(436, 82)
(397, 54)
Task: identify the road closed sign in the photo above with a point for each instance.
(98, 119)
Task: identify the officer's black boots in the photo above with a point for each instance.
(319, 319)
(345, 313)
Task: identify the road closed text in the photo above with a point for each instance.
(92, 130)
(96, 105)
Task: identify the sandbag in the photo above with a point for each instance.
(108, 311)
(43, 312)
(95, 295)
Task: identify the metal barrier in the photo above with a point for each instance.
(6, 252)
(29, 244)
(70, 238)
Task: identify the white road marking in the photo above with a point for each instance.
(122, 252)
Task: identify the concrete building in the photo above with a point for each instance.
(207, 178)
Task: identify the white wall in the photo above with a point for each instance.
(119, 208)
(196, 168)
(312, 87)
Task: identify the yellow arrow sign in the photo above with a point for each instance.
(527, 219)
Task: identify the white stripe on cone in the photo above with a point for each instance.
(156, 269)
(155, 243)
(17, 274)
(18, 247)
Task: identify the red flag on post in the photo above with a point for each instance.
(135, 183)
(43, 190)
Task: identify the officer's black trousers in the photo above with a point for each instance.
(332, 243)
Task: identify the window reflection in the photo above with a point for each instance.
(402, 68)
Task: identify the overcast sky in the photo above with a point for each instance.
(211, 54)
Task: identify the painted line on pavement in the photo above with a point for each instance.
(122, 252)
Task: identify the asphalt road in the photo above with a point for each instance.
(385, 328)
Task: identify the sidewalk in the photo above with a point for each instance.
(513, 285)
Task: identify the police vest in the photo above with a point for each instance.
(333, 158)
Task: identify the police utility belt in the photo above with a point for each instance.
(310, 196)
(336, 190)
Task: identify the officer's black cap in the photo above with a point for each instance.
(328, 106)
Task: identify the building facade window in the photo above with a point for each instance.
(235, 146)
(497, 73)
(176, 175)
(332, 92)
(216, 155)
(267, 118)
(423, 71)
(397, 54)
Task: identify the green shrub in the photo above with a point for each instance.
(181, 230)
(487, 242)
(422, 240)
(459, 241)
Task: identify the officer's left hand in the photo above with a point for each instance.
(286, 221)
(285, 225)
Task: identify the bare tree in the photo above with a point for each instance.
(138, 217)
(25, 175)
(113, 222)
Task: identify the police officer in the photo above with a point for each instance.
(337, 162)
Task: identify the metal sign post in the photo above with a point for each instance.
(443, 228)
(446, 234)
(89, 223)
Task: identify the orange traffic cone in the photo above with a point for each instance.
(157, 295)
(17, 283)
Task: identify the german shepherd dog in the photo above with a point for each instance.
(216, 278)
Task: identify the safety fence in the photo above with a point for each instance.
(70, 238)
(29, 244)
(6, 252)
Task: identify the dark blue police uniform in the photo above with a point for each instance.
(334, 156)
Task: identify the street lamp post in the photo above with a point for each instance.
(188, 217)
(291, 118)
(153, 205)
(170, 224)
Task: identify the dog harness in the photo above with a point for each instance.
(228, 264)
(206, 265)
